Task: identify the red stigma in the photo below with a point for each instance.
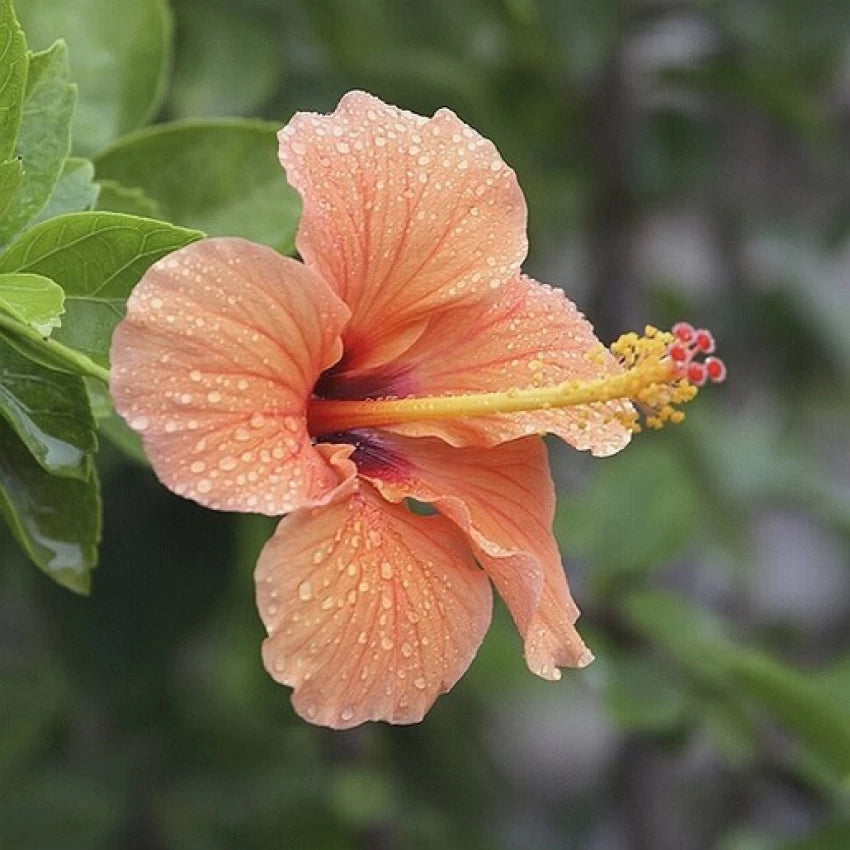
(697, 374)
(705, 341)
(683, 331)
(716, 369)
(678, 352)
(689, 343)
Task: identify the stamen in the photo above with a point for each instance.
(660, 371)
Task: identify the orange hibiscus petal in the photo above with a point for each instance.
(401, 214)
(503, 499)
(528, 335)
(213, 365)
(371, 611)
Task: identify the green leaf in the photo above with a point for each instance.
(44, 138)
(699, 642)
(97, 258)
(76, 191)
(112, 426)
(642, 696)
(227, 64)
(656, 519)
(120, 53)
(11, 176)
(49, 411)
(55, 520)
(123, 199)
(13, 78)
(222, 177)
(32, 299)
(797, 701)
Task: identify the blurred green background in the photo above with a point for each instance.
(680, 160)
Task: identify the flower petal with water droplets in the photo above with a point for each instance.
(372, 611)
(401, 214)
(503, 498)
(213, 365)
(528, 334)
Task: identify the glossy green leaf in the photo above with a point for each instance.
(222, 177)
(700, 643)
(76, 191)
(120, 54)
(35, 300)
(44, 138)
(11, 177)
(49, 411)
(56, 520)
(130, 200)
(13, 78)
(97, 258)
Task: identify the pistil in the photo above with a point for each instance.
(656, 371)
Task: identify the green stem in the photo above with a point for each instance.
(80, 363)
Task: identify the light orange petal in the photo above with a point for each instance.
(503, 498)
(401, 214)
(528, 335)
(213, 365)
(372, 611)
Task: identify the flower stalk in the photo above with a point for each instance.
(55, 351)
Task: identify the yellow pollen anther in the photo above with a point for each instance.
(656, 372)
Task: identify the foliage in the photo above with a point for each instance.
(679, 159)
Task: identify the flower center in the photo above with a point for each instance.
(339, 382)
(659, 371)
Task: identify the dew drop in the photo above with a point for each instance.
(305, 591)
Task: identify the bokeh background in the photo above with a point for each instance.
(680, 159)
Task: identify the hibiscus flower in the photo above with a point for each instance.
(406, 360)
